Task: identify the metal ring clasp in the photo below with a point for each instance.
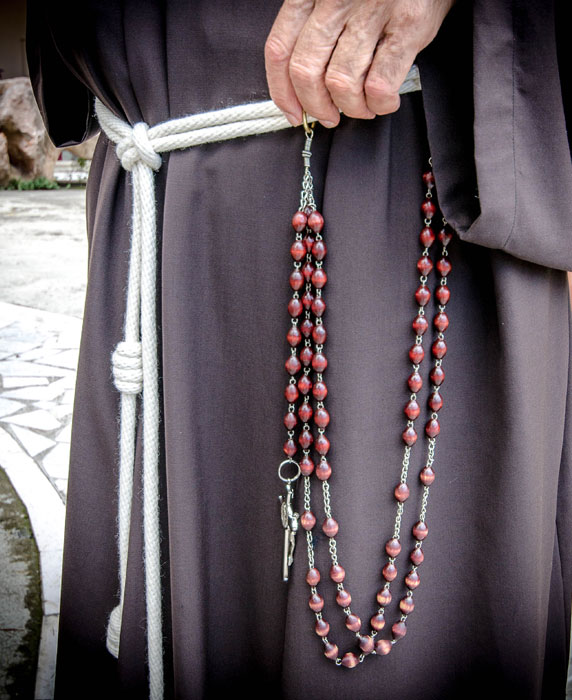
(308, 128)
(290, 480)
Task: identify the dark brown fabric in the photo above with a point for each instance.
(493, 608)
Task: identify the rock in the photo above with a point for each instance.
(30, 150)
(4, 161)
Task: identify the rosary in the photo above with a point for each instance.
(306, 324)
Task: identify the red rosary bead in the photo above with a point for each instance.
(290, 447)
(290, 420)
(322, 628)
(416, 354)
(295, 307)
(306, 466)
(412, 410)
(313, 577)
(320, 391)
(319, 362)
(433, 428)
(439, 349)
(319, 250)
(399, 630)
(422, 295)
(306, 355)
(427, 236)
(441, 321)
(350, 660)
(343, 598)
(415, 382)
(377, 622)
(401, 492)
(420, 530)
(296, 280)
(445, 236)
(323, 470)
(330, 527)
(417, 556)
(420, 325)
(316, 602)
(383, 647)
(366, 643)
(393, 547)
(389, 572)
(319, 334)
(443, 267)
(427, 476)
(435, 401)
(409, 436)
(306, 439)
(305, 412)
(428, 209)
(307, 270)
(316, 221)
(297, 250)
(299, 221)
(353, 623)
(406, 605)
(307, 520)
(337, 573)
(292, 364)
(429, 180)
(319, 278)
(308, 241)
(384, 597)
(331, 650)
(322, 444)
(294, 336)
(412, 580)
(322, 418)
(442, 294)
(291, 393)
(437, 376)
(307, 299)
(424, 265)
(318, 306)
(306, 327)
(304, 384)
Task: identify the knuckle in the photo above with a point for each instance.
(275, 50)
(378, 88)
(303, 73)
(339, 83)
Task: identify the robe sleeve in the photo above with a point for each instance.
(497, 129)
(65, 102)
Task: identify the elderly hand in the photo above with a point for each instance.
(323, 56)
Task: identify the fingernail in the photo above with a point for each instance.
(328, 125)
(292, 119)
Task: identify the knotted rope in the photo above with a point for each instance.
(134, 361)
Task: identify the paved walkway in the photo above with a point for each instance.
(38, 359)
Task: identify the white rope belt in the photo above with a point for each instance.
(134, 361)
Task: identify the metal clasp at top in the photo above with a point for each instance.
(308, 128)
(290, 519)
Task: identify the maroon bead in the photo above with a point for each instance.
(412, 409)
(424, 265)
(297, 250)
(308, 270)
(427, 236)
(445, 236)
(318, 306)
(330, 527)
(313, 577)
(316, 602)
(384, 597)
(439, 349)
(319, 362)
(353, 623)
(435, 401)
(291, 393)
(290, 420)
(409, 436)
(331, 650)
(389, 572)
(322, 418)
(306, 327)
(415, 382)
(441, 321)
(422, 295)
(322, 628)
(294, 336)
(432, 428)
(443, 294)
(319, 250)
(412, 580)
(292, 364)
(319, 278)
(308, 241)
(323, 470)
(295, 307)
(401, 492)
(420, 530)
(337, 573)
(429, 180)
(306, 439)
(417, 556)
(393, 547)
(307, 299)
(322, 444)
(320, 391)
(350, 660)
(437, 376)
(443, 267)
(343, 598)
(427, 476)
(428, 209)
(316, 221)
(366, 644)
(296, 279)
(319, 334)
(307, 520)
(416, 354)
(383, 647)
(420, 325)
(399, 630)
(299, 221)
(305, 412)
(306, 466)
(306, 355)
(406, 605)
(290, 447)
(377, 622)
(304, 384)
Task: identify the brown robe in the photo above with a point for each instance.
(493, 608)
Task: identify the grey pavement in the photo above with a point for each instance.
(43, 254)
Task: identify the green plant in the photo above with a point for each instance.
(38, 183)
(82, 162)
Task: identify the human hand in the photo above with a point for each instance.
(323, 56)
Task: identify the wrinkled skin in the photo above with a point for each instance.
(323, 56)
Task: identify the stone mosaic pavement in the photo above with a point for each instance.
(38, 359)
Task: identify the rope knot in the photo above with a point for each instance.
(137, 147)
(127, 365)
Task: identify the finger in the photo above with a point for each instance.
(277, 53)
(310, 59)
(352, 57)
(389, 68)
